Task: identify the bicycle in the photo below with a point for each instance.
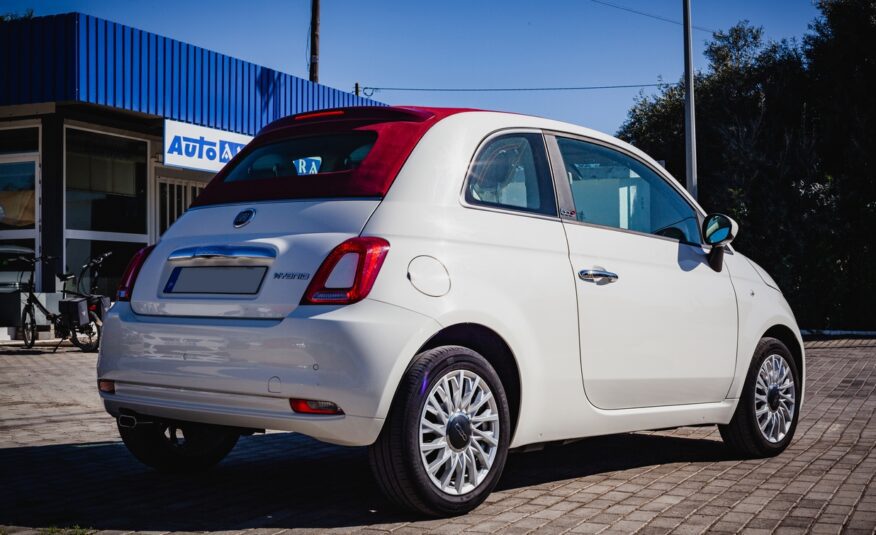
(97, 303)
(81, 325)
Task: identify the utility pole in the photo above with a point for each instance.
(690, 127)
(314, 41)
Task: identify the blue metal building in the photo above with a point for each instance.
(80, 58)
(88, 112)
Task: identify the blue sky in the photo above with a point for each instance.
(501, 43)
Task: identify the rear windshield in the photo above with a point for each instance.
(358, 157)
(290, 159)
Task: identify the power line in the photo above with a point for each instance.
(651, 15)
(368, 91)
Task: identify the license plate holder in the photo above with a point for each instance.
(218, 280)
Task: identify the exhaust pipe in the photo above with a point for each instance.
(127, 421)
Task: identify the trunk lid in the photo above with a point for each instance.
(207, 266)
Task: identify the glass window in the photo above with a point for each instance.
(612, 189)
(511, 172)
(18, 140)
(13, 270)
(79, 252)
(304, 156)
(17, 195)
(106, 183)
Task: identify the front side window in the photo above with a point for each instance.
(511, 172)
(612, 189)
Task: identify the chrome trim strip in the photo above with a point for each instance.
(223, 251)
(702, 246)
(508, 211)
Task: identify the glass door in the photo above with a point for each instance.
(19, 216)
(106, 181)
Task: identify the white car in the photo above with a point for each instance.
(444, 285)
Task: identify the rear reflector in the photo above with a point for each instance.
(107, 387)
(126, 286)
(348, 273)
(312, 406)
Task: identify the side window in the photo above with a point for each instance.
(511, 172)
(612, 189)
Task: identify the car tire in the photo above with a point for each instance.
(179, 447)
(771, 395)
(475, 431)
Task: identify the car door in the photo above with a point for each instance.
(658, 326)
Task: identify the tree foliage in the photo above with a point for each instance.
(786, 144)
(9, 17)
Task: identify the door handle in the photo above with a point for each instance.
(597, 275)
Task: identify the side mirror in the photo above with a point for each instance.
(718, 231)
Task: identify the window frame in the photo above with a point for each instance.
(147, 237)
(566, 204)
(502, 209)
(37, 157)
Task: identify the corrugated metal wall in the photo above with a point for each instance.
(87, 59)
(38, 60)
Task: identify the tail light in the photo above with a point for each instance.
(126, 287)
(348, 273)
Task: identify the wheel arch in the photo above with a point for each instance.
(492, 347)
(784, 334)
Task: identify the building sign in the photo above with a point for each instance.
(198, 147)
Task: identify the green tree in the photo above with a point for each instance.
(8, 17)
(783, 155)
(841, 51)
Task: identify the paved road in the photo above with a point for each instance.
(61, 465)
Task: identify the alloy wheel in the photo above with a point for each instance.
(459, 432)
(775, 398)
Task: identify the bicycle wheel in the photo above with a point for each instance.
(87, 337)
(28, 327)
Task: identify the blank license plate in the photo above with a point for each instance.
(240, 280)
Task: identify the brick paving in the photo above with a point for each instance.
(62, 465)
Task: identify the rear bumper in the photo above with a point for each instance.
(236, 410)
(242, 372)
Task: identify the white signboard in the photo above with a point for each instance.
(199, 147)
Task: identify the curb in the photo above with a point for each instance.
(39, 343)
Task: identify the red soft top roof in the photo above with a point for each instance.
(363, 114)
(398, 128)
